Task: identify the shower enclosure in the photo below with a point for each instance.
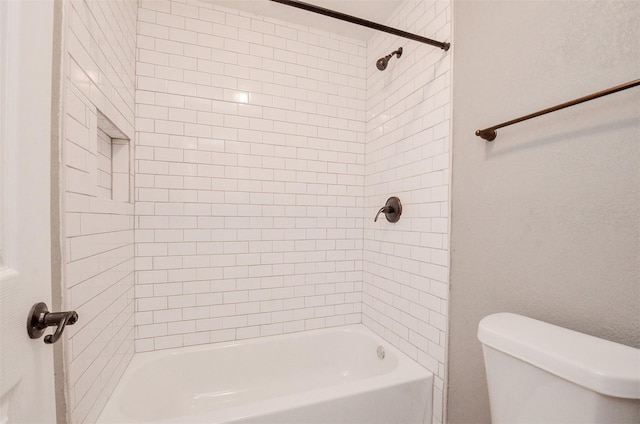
(256, 153)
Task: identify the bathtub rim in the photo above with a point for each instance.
(407, 370)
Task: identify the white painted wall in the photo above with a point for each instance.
(545, 219)
(99, 61)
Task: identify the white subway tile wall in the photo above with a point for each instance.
(249, 176)
(264, 149)
(406, 264)
(99, 72)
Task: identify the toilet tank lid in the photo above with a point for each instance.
(603, 366)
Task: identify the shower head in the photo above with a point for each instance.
(383, 61)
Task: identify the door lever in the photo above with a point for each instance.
(40, 318)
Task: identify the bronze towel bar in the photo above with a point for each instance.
(490, 134)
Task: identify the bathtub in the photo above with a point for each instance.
(339, 375)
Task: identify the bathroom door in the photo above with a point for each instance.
(26, 365)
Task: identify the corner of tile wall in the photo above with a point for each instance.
(98, 231)
(406, 264)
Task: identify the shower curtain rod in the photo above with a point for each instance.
(490, 134)
(362, 22)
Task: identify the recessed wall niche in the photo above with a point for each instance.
(114, 159)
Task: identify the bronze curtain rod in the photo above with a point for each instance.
(490, 134)
(362, 22)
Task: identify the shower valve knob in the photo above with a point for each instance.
(392, 210)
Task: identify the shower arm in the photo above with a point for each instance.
(398, 53)
(363, 22)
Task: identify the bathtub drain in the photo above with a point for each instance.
(380, 352)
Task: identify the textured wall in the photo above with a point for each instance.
(546, 218)
(98, 232)
(406, 264)
(249, 176)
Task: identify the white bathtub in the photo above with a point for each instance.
(321, 376)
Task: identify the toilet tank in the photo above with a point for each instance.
(541, 373)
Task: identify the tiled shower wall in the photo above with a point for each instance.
(405, 275)
(264, 151)
(249, 176)
(99, 60)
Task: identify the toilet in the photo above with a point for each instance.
(541, 373)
